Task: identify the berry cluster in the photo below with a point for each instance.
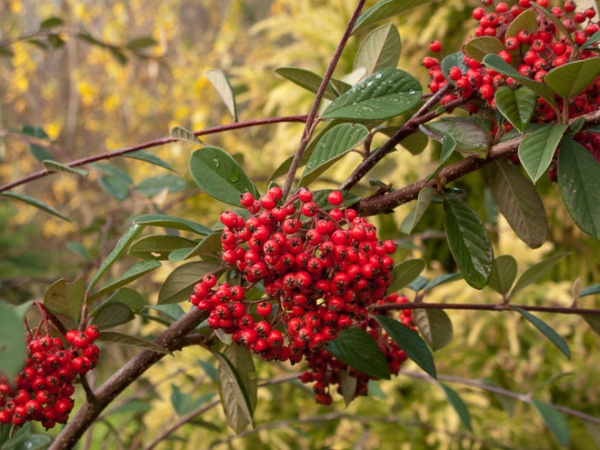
(42, 390)
(561, 36)
(325, 370)
(320, 271)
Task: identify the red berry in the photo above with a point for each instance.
(335, 198)
(435, 46)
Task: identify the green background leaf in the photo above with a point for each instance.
(547, 331)
(33, 202)
(458, 404)
(435, 327)
(221, 83)
(12, 341)
(554, 420)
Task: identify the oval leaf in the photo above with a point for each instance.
(458, 404)
(111, 315)
(519, 203)
(404, 273)
(130, 298)
(217, 174)
(547, 331)
(148, 157)
(385, 9)
(469, 242)
(538, 148)
(527, 20)
(572, 78)
(423, 201)
(554, 420)
(65, 298)
(590, 290)
(177, 223)
(435, 327)
(221, 83)
(517, 105)
(158, 246)
(471, 138)
(126, 339)
(210, 244)
(380, 50)
(503, 274)
(478, 47)
(179, 285)
(334, 144)
(580, 185)
(409, 341)
(385, 94)
(311, 81)
(356, 348)
(12, 341)
(133, 273)
(33, 202)
(536, 272)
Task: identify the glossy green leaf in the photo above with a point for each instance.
(356, 348)
(537, 149)
(217, 174)
(138, 270)
(143, 155)
(65, 298)
(33, 202)
(469, 242)
(179, 284)
(573, 78)
(234, 393)
(311, 81)
(121, 247)
(554, 420)
(59, 167)
(503, 274)
(221, 83)
(380, 50)
(141, 43)
(496, 63)
(536, 272)
(176, 223)
(12, 341)
(519, 203)
(423, 201)
(517, 105)
(471, 138)
(590, 290)
(333, 145)
(158, 246)
(210, 244)
(435, 327)
(385, 94)
(115, 187)
(458, 404)
(154, 185)
(580, 185)
(478, 47)
(405, 272)
(527, 20)
(409, 341)
(384, 10)
(126, 339)
(111, 315)
(185, 135)
(547, 331)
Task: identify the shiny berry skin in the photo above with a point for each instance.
(335, 198)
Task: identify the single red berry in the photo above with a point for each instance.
(335, 198)
(435, 46)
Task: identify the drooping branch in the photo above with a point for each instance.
(151, 144)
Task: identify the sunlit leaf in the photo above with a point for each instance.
(221, 83)
(380, 50)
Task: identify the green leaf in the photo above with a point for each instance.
(435, 327)
(180, 283)
(538, 148)
(111, 315)
(442, 279)
(458, 404)
(573, 78)
(580, 185)
(409, 341)
(471, 138)
(33, 202)
(478, 47)
(527, 20)
(184, 404)
(217, 174)
(547, 331)
(311, 81)
(148, 157)
(454, 60)
(385, 94)
(210, 244)
(118, 55)
(126, 339)
(385, 9)
(174, 312)
(115, 187)
(423, 201)
(496, 63)
(158, 246)
(24, 439)
(176, 223)
(536, 272)
(140, 43)
(503, 274)
(380, 50)
(348, 385)
(405, 272)
(12, 341)
(593, 320)
(55, 40)
(51, 22)
(133, 273)
(469, 242)
(234, 394)
(554, 420)
(128, 297)
(65, 298)
(517, 105)
(113, 171)
(418, 283)
(356, 348)
(155, 185)
(332, 146)
(59, 167)
(130, 235)
(182, 134)
(221, 83)
(519, 203)
(590, 290)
